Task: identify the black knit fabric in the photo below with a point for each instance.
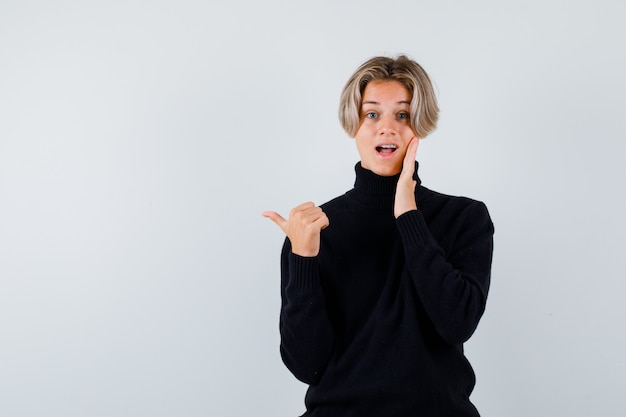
(375, 323)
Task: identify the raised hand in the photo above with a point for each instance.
(303, 227)
(405, 191)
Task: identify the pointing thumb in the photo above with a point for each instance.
(276, 218)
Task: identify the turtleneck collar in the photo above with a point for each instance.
(375, 190)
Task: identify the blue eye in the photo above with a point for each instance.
(371, 115)
(403, 115)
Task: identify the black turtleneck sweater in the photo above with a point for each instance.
(375, 323)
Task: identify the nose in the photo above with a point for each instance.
(388, 124)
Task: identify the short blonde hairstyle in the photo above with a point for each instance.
(424, 107)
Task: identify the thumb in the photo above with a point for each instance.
(276, 218)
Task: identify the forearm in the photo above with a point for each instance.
(452, 289)
(306, 333)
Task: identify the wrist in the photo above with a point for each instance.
(305, 252)
(400, 212)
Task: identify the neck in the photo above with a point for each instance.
(375, 190)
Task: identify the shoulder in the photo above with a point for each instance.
(439, 207)
(337, 203)
(430, 197)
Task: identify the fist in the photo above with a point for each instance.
(303, 227)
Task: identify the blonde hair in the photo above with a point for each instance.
(424, 108)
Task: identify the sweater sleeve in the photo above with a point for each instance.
(453, 287)
(306, 336)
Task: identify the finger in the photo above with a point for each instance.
(307, 212)
(312, 214)
(413, 149)
(408, 165)
(303, 206)
(300, 210)
(311, 211)
(322, 222)
(276, 218)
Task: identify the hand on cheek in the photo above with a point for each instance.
(405, 191)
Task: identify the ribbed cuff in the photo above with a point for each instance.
(413, 229)
(304, 272)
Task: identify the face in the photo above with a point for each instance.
(385, 126)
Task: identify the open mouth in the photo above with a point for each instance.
(386, 149)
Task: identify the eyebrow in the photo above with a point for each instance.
(375, 102)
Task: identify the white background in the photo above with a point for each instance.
(141, 140)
